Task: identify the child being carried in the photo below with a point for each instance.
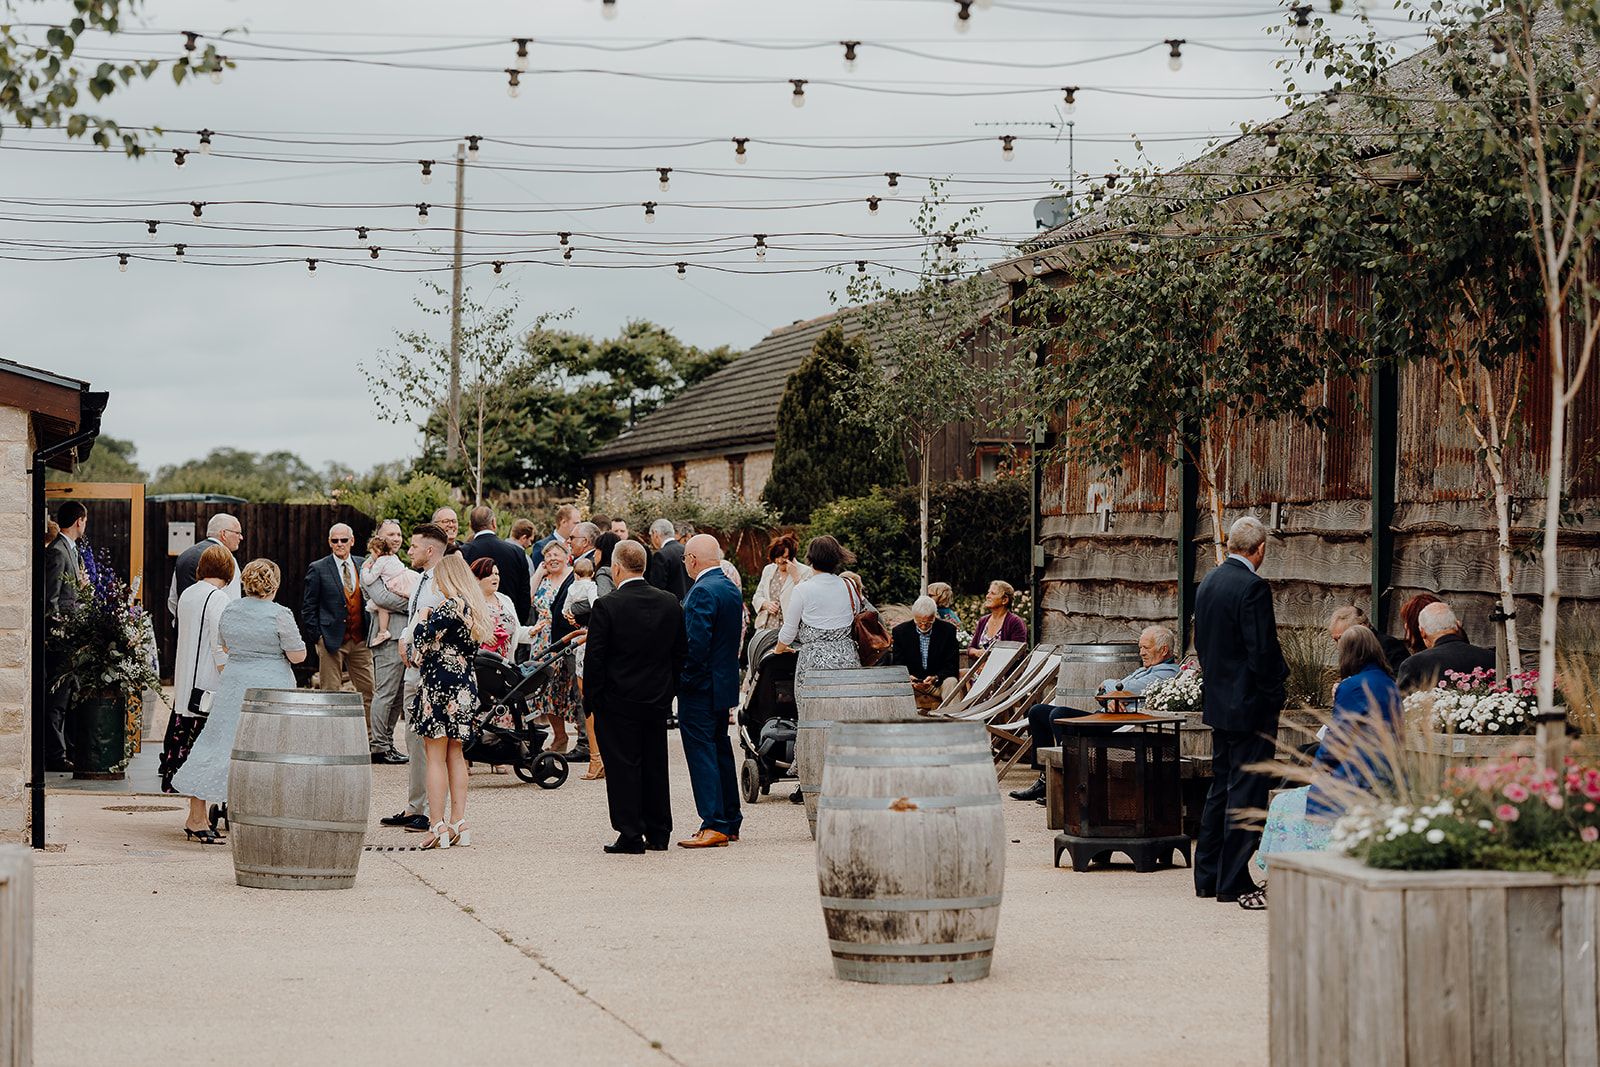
(400, 580)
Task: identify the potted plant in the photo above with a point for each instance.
(111, 649)
(1472, 716)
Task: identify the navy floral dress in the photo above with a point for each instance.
(447, 700)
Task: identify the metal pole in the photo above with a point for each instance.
(454, 427)
(1385, 457)
(1072, 166)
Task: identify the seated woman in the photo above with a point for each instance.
(998, 623)
(1350, 760)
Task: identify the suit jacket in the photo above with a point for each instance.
(665, 570)
(944, 655)
(322, 610)
(1236, 637)
(559, 626)
(1452, 652)
(61, 576)
(634, 653)
(713, 619)
(513, 564)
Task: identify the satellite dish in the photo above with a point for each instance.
(1051, 212)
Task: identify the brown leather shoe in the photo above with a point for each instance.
(707, 838)
(733, 837)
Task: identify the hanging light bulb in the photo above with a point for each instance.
(872, 205)
(798, 97)
(1498, 57)
(372, 250)
(216, 72)
(564, 236)
(608, 9)
(514, 82)
(664, 176)
(1038, 268)
(1175, 53)
(568, 253)
(738, 149)
(427, 171)
(177, 251)
(1111, 181)
(311, 267)
(205, 141)
(422, 212)
(894, 178)
(850, 55)
(1134, 244)
(122, 262)
(179, 155)
(499, 265)
(963, 15)
(1272, 144)
(649, 211)
(473, 141)
(1007, 149)
(761, 246)
(683, 270)
(1069, 102)
(1302, 23)
(150, 227)
(361, 233)
(1332, 102)
(190, 39)
(522, 52)
(861, 266)
(197, 205)
(1325, 186)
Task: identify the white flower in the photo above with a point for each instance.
(1435, 836)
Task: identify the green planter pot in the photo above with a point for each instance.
(97, 739)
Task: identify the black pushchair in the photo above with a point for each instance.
(507, 733)
(767, 717)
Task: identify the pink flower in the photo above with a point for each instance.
(1507, 813)
(1555, 800)
(1515, 792)
(1589, 807)
(1590, 834)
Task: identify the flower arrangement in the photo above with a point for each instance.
(1476, 704)
(1506, 815)
(109, 640)
(1183, 695)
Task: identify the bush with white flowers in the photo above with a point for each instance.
(1183, 695)
(1475, 704)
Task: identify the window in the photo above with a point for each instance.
(736, 475)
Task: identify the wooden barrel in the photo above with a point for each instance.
(1084, 667)
(299, 788)
(827, 697)
(911, 852)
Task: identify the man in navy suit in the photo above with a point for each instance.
(713, 614)
(1236, 637)
(507, 555)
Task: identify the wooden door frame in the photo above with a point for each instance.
(133, 493)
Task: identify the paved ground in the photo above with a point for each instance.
(533, 946)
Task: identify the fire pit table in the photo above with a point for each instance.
(1121, 790)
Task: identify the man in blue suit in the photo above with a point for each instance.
(713, 615)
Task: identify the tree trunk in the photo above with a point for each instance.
(922, 506)
(1555, 475)
(477, 481)
(1208, 465)
(1508, 602)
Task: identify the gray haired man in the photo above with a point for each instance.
(388, 672)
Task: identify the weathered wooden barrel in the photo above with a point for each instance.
(827, 697)
(299, 789)
(911, 852)
(1084, 667)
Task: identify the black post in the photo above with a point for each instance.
(1188, 529)
(1385, 460)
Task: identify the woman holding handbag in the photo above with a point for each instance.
(820, 619)
(195, 675)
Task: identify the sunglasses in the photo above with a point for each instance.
(340, 540)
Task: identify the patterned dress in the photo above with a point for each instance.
(824, 650)
(447, 699)
(560, 699)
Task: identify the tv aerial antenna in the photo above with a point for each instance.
(1053, 211)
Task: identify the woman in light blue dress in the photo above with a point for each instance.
(261, 641)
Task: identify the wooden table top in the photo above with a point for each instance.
(1117, 718)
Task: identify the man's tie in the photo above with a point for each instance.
(344, 572)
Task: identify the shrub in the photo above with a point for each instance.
(412, 501)
(875, 529)
(977, 532)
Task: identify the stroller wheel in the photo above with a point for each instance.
(549, 770)
(750, 781)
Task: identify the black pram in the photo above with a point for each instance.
(767, 717)
(507, 733)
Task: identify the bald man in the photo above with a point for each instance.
(713, 615)
(333, 615)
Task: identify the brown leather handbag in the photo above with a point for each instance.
(872, 640)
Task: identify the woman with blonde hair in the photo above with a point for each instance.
(444, 713)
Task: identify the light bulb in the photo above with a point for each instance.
(798, 97)
(1038, 268)
(122, 262)
(513, 91)
(178, 156)
(1007, 151)
(427, 171)
(850, 55)
(177, 251)
(665, 176)
(150, 228)
(567, 254)
(761, 253)
(872, 205)
(205, 141)
(1175, 53)
(1069, 95)
(1498, 57)
(1334, 104)
(311, 267)
(499, 265)
(472, 147)
(683, 271)
(1302, 24)
(513, 82)
(739, 149)
(1174, 63)
(216, 76)
(608, 9)
(861, 266)
(522, 52)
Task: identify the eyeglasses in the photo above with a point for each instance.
(340, 540)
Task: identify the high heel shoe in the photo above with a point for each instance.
(460, 836)
(597, 771)
(205, 837)
(441, 836)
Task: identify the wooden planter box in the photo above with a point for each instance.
(1467, 746)
(1438, 967)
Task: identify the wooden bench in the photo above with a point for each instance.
(1055, 800)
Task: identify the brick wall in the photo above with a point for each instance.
(17, 538)
(710, 478)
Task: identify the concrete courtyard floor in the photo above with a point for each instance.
(533, 946)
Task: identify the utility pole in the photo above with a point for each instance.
(453, 431)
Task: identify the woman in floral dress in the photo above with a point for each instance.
(444, 713)
(560, 702)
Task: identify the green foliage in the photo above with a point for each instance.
(113, 459)
(412, 501)
(874, 528)
(1311, 677)
(271, 477)
(820, 456)
(41, 84)
(729, 516)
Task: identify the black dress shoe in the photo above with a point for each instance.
(578, 755)
(416, 824)
(656, 846)
(389, 756)
(1033, 792)
(61, 766)
(1205, 894)
(624, 847)
(396, 820)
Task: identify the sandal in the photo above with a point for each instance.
(1256, 901)
(597, 771)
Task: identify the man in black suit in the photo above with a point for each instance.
(1236, 637)
(926, 646)
(633, 657)
(507, 555)
(333, 615)
(666, 565)
(224, 530)
(1448, 650)
(63, 581)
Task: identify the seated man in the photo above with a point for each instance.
(1447, 650)
(1394, 649)
(927, 647)
(1160, 663)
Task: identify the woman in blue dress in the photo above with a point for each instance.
(1366, 704)
(260, 640)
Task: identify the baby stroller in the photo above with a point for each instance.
(767, 717)
(507, 733)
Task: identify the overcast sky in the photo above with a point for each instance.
(266, 357)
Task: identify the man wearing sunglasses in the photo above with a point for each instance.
(334, 617)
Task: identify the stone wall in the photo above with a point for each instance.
(711, 478)
(17, 538)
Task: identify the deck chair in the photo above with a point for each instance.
(1003, 691)
(979, 681)
(1009, 733)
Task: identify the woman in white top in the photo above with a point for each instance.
(196, 673)
(778, 581)
(820, 618)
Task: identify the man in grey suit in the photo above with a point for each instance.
(63, 575)
(665, 570)
(388, 672)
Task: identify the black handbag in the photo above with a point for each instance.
(198, 703)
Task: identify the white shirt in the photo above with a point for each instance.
(822, 601)
(199, 647)
(1241, 559)
(484, 533)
